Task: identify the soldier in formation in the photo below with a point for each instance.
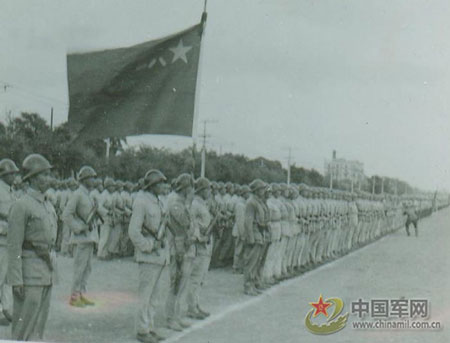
(31, 261)
(8, 172)
(267, 232)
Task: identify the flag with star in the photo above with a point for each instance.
(143, 89)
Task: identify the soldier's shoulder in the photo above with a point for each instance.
(23, 203)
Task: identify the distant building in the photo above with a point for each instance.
(344, 170)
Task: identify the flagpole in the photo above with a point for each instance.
(198, 83)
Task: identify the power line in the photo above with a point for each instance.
(7, 85)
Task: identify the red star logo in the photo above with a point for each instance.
(320, 307)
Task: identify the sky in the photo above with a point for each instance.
(369, 79)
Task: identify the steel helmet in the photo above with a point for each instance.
(8, 166)
(34, 164)
(152, 177)
(201, 184)
(86, 172)
(257, 184)
(183, 181)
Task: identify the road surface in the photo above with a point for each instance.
(396, 266)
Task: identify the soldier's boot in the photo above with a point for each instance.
(249, 289)
(194, 314)
(4, 321)
(76, 301)
(173, 325)
(183, 324)
(7, 315)
(204, 313)
(146, 338)
(86, 301)
(156, 335)
(251, 292)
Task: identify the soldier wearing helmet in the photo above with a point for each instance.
(179, 223)
(119, 213)
(147, 231)
(255, 223)
(225, 245)
(106, 227)
(238, 228)
(203, 224)
(8, 172)
(70, 187)
(32, 236)
(82, 218)
(126, 246)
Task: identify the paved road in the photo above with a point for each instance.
(393, 267)
(396, 266)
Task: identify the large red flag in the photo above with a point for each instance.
(144, 89)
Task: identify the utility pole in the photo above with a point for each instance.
(330, 167)
(382, 185)
(51, 120)
(289, 168)
(373, 184)
(204, 136)
(108, 146)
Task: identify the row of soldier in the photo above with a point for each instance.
(268, 232)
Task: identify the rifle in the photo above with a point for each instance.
(91, 216)
(212, 224)
(159, 235)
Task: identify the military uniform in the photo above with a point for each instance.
(201, 219)
(83, 236)
(270, 268)
(151, 254)
(256, 222)
(105, 228)
(238, 232)
(66, 250)
(31, 264)
(6, 200)
(180, 225)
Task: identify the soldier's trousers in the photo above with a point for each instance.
(226, 251)
(65, 246)
(114, 239)
(269, 263)
(30, 313)
(414, 223)
(280, 266)
(238, 253)
(82, 267)
(252, 258)
(105, 231)
(198, 275)
(150, 286)
(177, 295)
(5, 289)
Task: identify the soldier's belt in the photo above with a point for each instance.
(42, 251)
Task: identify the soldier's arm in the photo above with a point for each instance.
(71, 218)
(248, 223)
(240, 220)
(3, 223)
(137, 219)
(17, 223)
(178, 215)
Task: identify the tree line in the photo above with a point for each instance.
(30, 133)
